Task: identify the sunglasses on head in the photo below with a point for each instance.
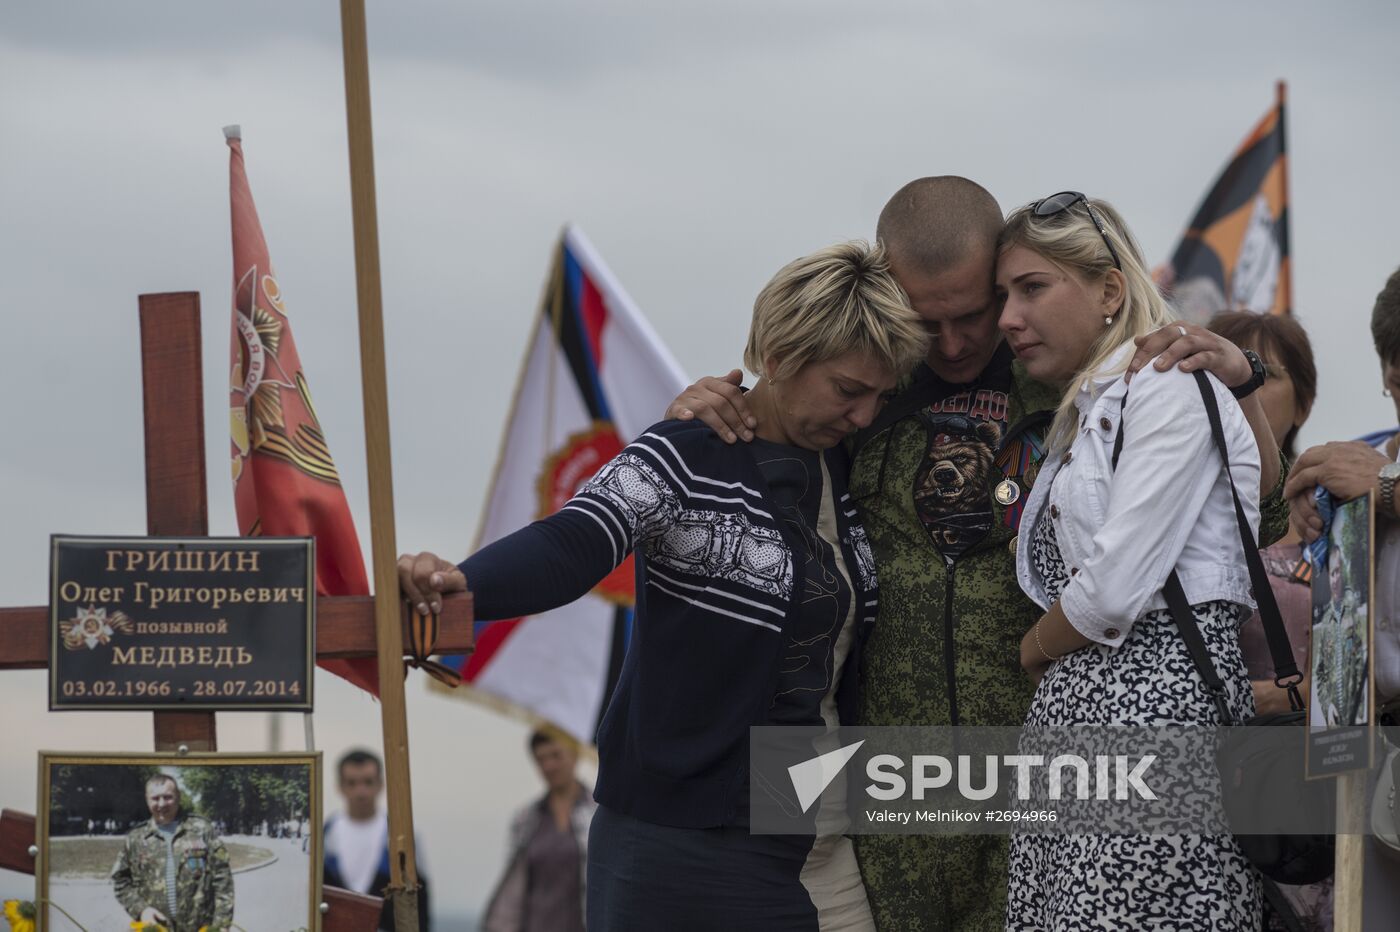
(1056, 203)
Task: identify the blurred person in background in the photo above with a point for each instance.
(357, 841)
(1290, 387)
(547, 869)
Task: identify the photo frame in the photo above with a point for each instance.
(241, 833)
(1341, 658)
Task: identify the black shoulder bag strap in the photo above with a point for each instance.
(1286, 674)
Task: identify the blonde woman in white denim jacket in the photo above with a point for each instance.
(1096, 545)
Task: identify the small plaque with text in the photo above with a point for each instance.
(159, 623)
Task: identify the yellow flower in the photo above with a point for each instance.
(20, 914)
(139, 926)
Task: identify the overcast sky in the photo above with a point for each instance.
(700, 146)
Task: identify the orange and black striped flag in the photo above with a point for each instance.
(1234, 255)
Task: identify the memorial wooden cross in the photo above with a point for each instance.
(176, 506)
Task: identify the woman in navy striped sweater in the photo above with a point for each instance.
(755, 592)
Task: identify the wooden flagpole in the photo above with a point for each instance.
(403, 887)
(1286, 284)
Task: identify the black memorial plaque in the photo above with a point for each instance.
(163, 623)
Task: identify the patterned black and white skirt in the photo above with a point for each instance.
(1063, 882)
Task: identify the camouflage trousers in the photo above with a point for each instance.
(935, 883)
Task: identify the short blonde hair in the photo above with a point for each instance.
(839, 300)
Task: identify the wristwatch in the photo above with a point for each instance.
(1390, 472)
(1256, 377)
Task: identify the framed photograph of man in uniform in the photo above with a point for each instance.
(182, 843)
(1341, 710)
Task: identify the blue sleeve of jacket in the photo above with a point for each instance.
(541, 566)
(632, 499)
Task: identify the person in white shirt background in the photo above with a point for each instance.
(1098, 541)
(357, 840)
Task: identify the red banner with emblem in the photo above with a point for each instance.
(285, 482)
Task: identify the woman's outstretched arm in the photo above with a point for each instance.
(561, 557)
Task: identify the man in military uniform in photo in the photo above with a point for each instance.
(174, 870)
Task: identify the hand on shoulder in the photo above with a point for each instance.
(719, 403)
(1188, 347)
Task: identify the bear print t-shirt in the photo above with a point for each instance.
(952, 486)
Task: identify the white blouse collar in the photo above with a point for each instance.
(1111, 371)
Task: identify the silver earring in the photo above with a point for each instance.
(1385, 392)
(1108, 321)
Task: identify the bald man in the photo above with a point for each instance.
(939, 479)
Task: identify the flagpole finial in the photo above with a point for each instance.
(233, 131)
